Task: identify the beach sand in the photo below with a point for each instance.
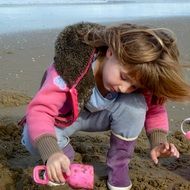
(24, 57)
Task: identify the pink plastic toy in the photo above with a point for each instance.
(82, 176)
(187, 134)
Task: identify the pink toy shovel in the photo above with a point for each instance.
(185, 122)
(82, 176)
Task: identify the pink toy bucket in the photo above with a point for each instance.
(82, 176)
(187, 134)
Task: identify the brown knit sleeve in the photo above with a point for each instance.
(156, 137)
(47, 145)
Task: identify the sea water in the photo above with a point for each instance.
(19, 15)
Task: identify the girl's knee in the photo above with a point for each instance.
(133, 100)
(129, 117)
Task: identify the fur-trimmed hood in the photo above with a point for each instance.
(72, 56)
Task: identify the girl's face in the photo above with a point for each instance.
(114, 75)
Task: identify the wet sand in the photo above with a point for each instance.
(24, 57)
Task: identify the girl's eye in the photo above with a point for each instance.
(134, 87)
(124, 77)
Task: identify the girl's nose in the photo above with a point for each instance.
(126, 88)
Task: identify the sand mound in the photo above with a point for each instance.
(11, 98)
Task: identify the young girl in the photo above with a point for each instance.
(123, 75)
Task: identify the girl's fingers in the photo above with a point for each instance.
(65, 166)
(59, 174)
(166, 146)
(174, 150)
(154, 156)
(56, 174)
(49, 174)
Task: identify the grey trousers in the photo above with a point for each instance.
(125, 117)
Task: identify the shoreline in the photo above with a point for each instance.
(33, 17)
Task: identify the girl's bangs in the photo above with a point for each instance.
(142, 77)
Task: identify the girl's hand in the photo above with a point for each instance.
(164, 150)
(56, 165)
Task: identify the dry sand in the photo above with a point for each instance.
(23, 58)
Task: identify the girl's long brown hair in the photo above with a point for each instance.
(150, 54)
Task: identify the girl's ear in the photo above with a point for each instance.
(109, 53)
